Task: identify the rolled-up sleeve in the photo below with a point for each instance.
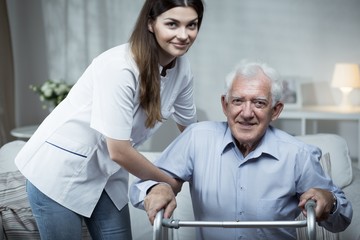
(312, 176)
(138, 190)
(340, 219)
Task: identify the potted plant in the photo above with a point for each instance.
(51, 93)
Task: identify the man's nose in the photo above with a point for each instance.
(247, 109)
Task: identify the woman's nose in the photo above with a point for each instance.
(182, 34)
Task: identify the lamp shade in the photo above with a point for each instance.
(346, 75)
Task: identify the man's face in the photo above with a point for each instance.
(249, 108)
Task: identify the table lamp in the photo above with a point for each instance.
(346, 77)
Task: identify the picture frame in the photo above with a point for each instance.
(291, 98)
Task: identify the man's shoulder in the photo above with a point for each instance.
(287, 139)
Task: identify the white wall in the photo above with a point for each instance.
(300, 38)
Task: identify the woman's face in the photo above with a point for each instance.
(175, 31)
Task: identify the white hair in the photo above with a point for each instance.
(250, 69)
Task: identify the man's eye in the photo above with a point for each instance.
(236, 101)
(260, 104)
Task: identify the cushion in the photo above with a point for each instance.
(336, 146)
(352, 194)
(8, 153)
(326, 164)
(16, 214)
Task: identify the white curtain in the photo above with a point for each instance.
(6, 77)
(76, 31)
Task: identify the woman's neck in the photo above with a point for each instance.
(166, 67)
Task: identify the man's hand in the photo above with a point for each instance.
(324, 202)
(161, 196)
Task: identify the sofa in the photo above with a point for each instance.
(16, 221)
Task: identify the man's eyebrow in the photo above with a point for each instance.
(231, 96)
(253, 99)
(262, 98)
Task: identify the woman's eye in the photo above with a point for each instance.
(171, 25)
(193, 25)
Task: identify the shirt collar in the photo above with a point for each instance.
(267, 145)
(228, 140)
(168, 70)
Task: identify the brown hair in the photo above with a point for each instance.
(144, 48)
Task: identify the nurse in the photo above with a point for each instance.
(77, 162)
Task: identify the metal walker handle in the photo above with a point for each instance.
(161, 224)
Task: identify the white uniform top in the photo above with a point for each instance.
(67, 157)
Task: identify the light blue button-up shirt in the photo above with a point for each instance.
(265, 185)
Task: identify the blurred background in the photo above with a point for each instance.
(48, 39)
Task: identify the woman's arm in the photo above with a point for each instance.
(122, 152)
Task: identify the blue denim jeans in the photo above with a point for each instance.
(56, 222)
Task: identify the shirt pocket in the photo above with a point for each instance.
(272, 209)
(68, 153)
(81, 149)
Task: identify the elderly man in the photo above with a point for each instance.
(245, 169)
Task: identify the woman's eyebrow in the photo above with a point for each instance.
(176, 20)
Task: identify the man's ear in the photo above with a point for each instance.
(224, 104)
(277, 109)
